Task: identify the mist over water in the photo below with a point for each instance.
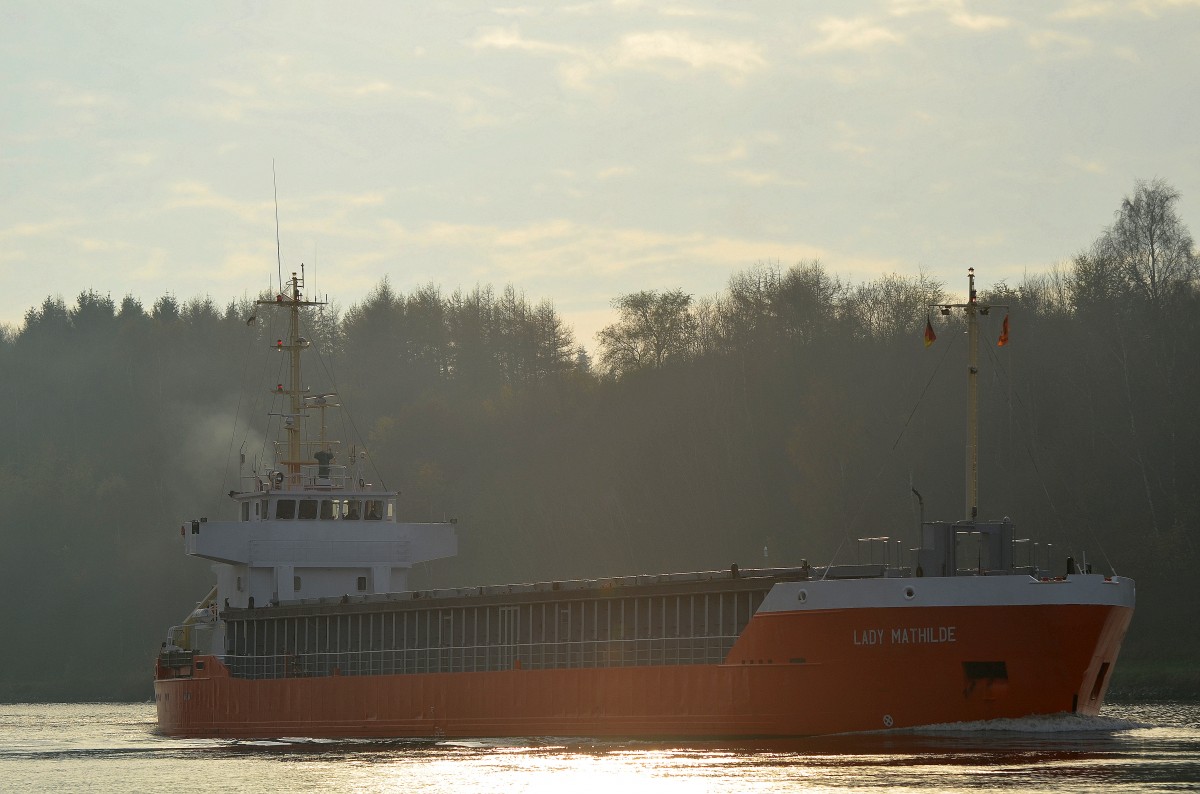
(1146, 747)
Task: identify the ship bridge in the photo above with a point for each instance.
(308, 522)
(314, 542)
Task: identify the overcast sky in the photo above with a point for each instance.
(576, 150)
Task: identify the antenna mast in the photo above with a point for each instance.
(278, 255)
(293, 300)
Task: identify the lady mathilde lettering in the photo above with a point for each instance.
(929, 635)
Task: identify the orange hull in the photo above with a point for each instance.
(790, 673)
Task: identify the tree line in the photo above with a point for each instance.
(782, 419)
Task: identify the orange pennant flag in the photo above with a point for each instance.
(1003, 333)
(930, 336)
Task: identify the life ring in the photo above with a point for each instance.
(278, 479)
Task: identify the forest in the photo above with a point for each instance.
(780, 420)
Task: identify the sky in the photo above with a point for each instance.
(578, 151)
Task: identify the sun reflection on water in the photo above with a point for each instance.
(574, 769)
(114, 747)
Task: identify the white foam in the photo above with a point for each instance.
(1063, 722)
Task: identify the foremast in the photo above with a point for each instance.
(973, 308)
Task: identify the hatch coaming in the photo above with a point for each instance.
(686, 623)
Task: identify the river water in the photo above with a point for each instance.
(1147, 747)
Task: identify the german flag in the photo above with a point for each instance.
(1003, 340)
(930, 336)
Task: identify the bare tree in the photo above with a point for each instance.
(894, 306)
(654, 328)
(1148, 244)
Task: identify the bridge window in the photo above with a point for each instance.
(327, 509)
(245, 511)
(308, 509)
(285, 509)
(374, 509)
(352, 510)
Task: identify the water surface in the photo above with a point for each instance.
(1147, 747)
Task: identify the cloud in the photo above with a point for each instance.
(669, 53)
(43, 229)
(904, 8)
(153, 268)
(738, 151)
(576, 65)
(762, 178)
(369, 87)
(954, 10)
(563, 248)
(511, 39)
(243, 267)
(140, 159)
(1152, 8)
(187, 195)
(1086, 9)
(1056, 43)
(517, 11)
(868, 268)
(1128, 54)
(614, 172)
(850, 147)
(362, 199)
(96, 245)
(1088, 166)
(76, 111)
(735, 59)
(278, 83)
(688, 12)
(979, 21)
(859, 33)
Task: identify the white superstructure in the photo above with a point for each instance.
(308, 526)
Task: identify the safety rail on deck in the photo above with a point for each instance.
(312, 477)
(482, 658)
(176, 658)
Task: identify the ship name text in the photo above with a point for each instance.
(917, 635)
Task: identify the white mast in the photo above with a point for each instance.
(293, 300)
(973, 308)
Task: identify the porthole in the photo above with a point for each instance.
(802, 596)
(909, 593)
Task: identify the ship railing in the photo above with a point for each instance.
(638, 652)
(313, 477)
(176, 658)
(179, 637)
(316, 477)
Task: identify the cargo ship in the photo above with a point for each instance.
(312, 629)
